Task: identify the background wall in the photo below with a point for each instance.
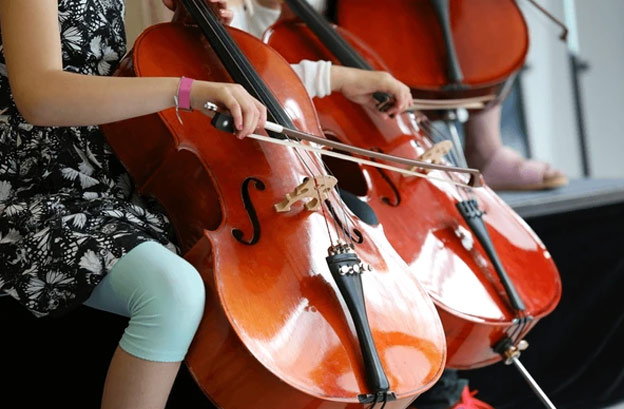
(142, 13)
(547, 87)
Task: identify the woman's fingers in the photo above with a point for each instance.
(250, 119)
(263, 114)
(248, 114)
(253, 112)
(400, 92)
(360, 85)
(226, 16)
(235, 110)
(400, 103)
(221, 8)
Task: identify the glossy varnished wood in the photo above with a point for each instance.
(421, 221)
(490, 36)
(275, 332)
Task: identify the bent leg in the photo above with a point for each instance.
(501, 167)
(164, 297)
(134, 383)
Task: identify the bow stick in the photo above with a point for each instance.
(225, 122)
(444, 104)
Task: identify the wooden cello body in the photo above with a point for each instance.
(422, 220)
(443, 48)
(276, 331)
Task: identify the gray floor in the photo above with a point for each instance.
(579, 194)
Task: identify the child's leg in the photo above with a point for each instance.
(164, 297)
(502, 167)
(135, 383)
(482, 136)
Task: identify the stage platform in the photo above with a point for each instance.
(578, 195)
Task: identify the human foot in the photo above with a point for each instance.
(508, 170)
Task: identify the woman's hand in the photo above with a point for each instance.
(248, 113)
(360, 85)
(219, 6)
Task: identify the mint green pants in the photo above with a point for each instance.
(161, 293)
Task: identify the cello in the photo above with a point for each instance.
(459, 48)
(448, 48)
(445, 48)
(489, 275)
(306, 306)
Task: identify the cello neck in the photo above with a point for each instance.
(337, 45)
(235, 62)
(321, 27)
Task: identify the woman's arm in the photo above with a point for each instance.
(48, 96)
(360, 85)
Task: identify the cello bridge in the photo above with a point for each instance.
(315, 189)
(434, 155)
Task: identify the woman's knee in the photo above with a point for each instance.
(180, 300)
(165, 299)
(150, 279)
(173, 291)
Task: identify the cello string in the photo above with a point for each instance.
(325, 216)
(314, 155)
(348, 223)
(435, 136)
(516, 330)
(305, 163)
(524, 325)
(375, 402)
(385, 400)
(322, 167)
(301, 156)
(438, 135)
(324, 152)
(244, 69)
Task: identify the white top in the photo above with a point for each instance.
(314, 74)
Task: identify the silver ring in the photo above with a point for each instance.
(211, 106)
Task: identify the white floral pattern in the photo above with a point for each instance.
(68, 209)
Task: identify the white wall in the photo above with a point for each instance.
(601, 40)
(547, 87)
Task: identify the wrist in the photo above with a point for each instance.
(337, 76)
(205, 91)
(182, 98)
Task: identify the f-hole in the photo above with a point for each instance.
(396, 200)
(251, 212)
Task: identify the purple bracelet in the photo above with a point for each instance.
(183, 97)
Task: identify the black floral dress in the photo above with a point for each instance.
(68, 210)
